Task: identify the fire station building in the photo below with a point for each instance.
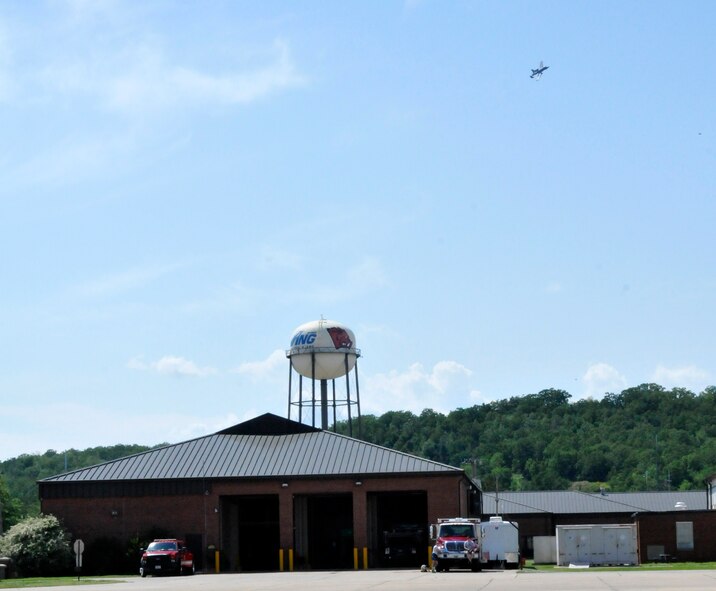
(268, 494)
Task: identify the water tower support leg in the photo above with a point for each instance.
(324, 405)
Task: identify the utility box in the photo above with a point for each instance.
(500, 543)
(545, 549)
(596, 545)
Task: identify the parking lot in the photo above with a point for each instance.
(412, 580)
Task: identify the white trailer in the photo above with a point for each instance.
(500, 543)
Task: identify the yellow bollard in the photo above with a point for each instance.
(290, 559)
(365, 558)
(217, 556)
(430, 557)
(280, 559)
(355, 558)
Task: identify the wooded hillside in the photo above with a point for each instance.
(645, 438)
(19, 476)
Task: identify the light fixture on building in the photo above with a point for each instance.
(284, 485)
(359, 483)
(114, 513)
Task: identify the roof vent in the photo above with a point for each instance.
(680, 506)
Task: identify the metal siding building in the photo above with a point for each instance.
(654, 513)
(261, 490)
(576, 502)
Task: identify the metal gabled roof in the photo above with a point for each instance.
(265, 447)
(572, 502)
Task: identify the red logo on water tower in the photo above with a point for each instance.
(340, 337)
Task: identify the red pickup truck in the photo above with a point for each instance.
(166, 556)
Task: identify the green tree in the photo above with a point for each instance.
(10, 508)
(39, 546)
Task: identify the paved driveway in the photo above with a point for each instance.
(409, 580)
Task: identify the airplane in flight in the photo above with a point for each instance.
(537, 74)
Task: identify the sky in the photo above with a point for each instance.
(182, 184)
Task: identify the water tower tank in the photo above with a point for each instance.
(323, 350)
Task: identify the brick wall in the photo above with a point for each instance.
(200, 514)
(659, 529)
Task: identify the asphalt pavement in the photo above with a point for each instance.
(414, 580)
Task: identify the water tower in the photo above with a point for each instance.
(323, 351)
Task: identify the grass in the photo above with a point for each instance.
(651, 566)
(55, 582)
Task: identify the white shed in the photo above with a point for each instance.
(596, 545)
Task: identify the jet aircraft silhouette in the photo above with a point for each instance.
(537, 73)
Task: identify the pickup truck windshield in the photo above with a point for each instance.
(162, 546)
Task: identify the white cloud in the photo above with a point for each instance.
(411, 5)
(147, 82)
(241, 297)
(274, 366)
(443, 388)
(601, 378)
(272, 258)
(688, 376)
(38, 430)
(477, 397)
(6, 81)
(172, 365)
(83, 10)
(367, 275)
(443, 374)
(553, 287)
(239, 88)
(76, 158)
(123, 280)
(364, 277)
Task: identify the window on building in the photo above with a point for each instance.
(684, 535)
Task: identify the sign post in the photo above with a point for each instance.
(79, 548)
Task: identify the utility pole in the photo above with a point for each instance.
(656, 452)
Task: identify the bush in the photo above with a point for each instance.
(39, 546)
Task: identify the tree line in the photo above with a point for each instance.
(644, 438)
(19, 476)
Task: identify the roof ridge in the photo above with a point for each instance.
(395, 451)
(605, 497)
(204, 457)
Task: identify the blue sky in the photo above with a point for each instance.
(184, 183)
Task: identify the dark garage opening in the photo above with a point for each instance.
(251, 535)
(400, 528)
(324, 531)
